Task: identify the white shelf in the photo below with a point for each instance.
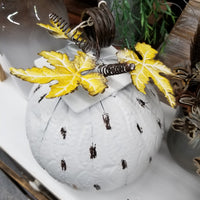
(163, 180)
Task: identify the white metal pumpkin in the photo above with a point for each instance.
(104, 147)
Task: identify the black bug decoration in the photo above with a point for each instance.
(106, 120)
(141, 102)
(106, 117)
(63, 132)
(93, 151)
(139, 128)
(97, 187)
(124, 164)
(159, 123)
(63, 165)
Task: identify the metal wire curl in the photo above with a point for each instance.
(102, 32)
(96, 31)
(114, 69)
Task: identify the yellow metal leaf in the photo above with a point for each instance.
(38, 75)
(65, 86)
(94, 83)
(84, 62)
(147, 68)
(55, 58)
(57, 31)
(66, 72)
(145, 50)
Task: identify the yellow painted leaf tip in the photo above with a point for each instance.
(147, 68)
(60, 29)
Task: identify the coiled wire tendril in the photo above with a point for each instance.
(97, 29)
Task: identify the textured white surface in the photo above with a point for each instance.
(163, 179)
(123, 152)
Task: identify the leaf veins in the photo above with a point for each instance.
(147, 68)
(67, 73)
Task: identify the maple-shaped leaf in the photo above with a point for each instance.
(67, 73)
(59, 28)
(147, 68)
